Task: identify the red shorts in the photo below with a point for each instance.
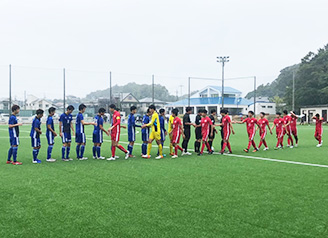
(251, 134)
(294, 131)
(318, 132)
(176, 138)
(115, 134)
(263, 134)
(280, 134)
(205, 136)
(226, 135)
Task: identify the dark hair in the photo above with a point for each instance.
(70, 108)
(161, 110)
(223, 111)
(39, 112)
(285, 112)
(148, 110)
(213, 110)
(133, 108)
(317, 115)
(204, 111)
(101, 110)
(199, 110)
(278, 113)
(112, 106)
(82, 106)
(14, 108)
(152, 107)
(263, 113)
(118, 109)
(251, 112)
(175, 111)
(188, 109)
(51, 110)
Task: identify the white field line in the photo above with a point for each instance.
(230, 155)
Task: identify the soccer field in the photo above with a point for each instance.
(208, 196)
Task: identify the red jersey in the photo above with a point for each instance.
(226, 123)
(116, 122)
(263, 123)
(293, 122)
(206, 123)
(176, 126)
(287, 119)
(318, 124)
(250, 123)
(278, 122)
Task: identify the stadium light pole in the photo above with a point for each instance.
(223, 60)
(9, 106)
(64, 89)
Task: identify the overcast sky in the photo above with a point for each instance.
(172, 39)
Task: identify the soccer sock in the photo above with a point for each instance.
(195, 146)
(265, 144)
(261, 142)
(113, 151)
(198, 146)
(15, 153)
(10, 153)
(160, 149)
(68, 149)
(179, 147)
(210, 143)
(78, 151)
(149, 148)
(35, 154)
(249, 145)
(229, 147)
(94, 151)
(82, 151)
(291, 140)
(208, 146)
(171, 148)
(223, 146)
(49, 151)
(98, 151)
(296, 139)
(278, 142)
(254, 145)
(176, 150)
(319, 139)
(203, 147)
(63, 152)
(122, 148)
(130, 148)
(143, 148)
(288, 141)
(281, 141)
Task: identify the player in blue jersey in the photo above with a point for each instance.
(132, 129)
(145, 133)
(162, 123)
(80, 138)
(65, 127)
(50, 133)
(35, 135)
(97, 136)
(14, 135)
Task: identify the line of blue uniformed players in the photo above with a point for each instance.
(66, 127)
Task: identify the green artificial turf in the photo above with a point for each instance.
(208, 196)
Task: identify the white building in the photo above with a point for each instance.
(145, 102)
(262, 104)
(34, 103)
(311, 110)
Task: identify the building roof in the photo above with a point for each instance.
(150, 100)
(226, 89)
(211, 101)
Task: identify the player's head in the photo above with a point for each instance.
(262, 114)
(15, 109)
(223, 112)
(152, 108)
(175, 112)
(250, 113)
(317, 115)
(82, 108)
(162, 111)
(112, 107)
(101, 111)
(285, 112)
(278, 114)
(118, 109)
(213, 111)
(39, 113)
(204, 113)
(148, 112)
(70, 109)
(199, 111)
(133, 109)
(188, 110)
(51, 111)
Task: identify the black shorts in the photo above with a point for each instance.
(198, 133)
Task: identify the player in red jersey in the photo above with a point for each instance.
(278, 123)
(207, 130)
(251, 122)
(318, 129)
(288, 129)
(177, 131)
(293, 125)
(227, 130)
(263, 124)
(115, 131)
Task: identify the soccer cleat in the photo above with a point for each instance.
(200, 154)
(159, 157)
(36, 161)
(171, 154)
(229, 152)
(111, 158)
(101, 157)
(291, 147)
(146, 156)
(266, 148)
(51, 160)
(210, 152)
(131, 156)
(94, 157)
(174, 156)
(70, 159)
(296, 145)
(255, 150)
(288, 145)
(84, 158)
(319, 145)
(9, 162)
(17, 163)
(117, 157)
(126, 155)
(246, 150)
(65, 160)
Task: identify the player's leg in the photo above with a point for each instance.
(64, 140)
(68, 150)
(130, 148)
(171, 145)
(78, 141)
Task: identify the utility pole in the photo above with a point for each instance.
(222, 60)
(293, 103)
(189, 92)
(180, 86)
(64, 90)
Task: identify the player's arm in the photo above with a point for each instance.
(239, 122)
(14, 125)
(182, 131)
(116, 124)
(50, 129)
(150, 123)
(101, 127)
(38, 130)
(268, 125)
(72, 127)
(88, 123)
(274, 125)
(60, 128)
(231, 128)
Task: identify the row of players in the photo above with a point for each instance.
(204, 132)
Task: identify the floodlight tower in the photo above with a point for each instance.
(223, 60)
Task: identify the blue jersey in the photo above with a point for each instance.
(66, 122)
(50, 122)
(35, 124)
(14, 131)
(132, 123)
(145, 120)
(79, 127)
(100, 121)
(162, 126)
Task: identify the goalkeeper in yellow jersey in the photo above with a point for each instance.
(169, 130)
(155, 133)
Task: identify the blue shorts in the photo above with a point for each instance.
(145, 136)
(67, 138)
(36, 142)
(97, 138)
(14, 141)
(50, 138)
(162, 135)
(80, 138)
(131, 135)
